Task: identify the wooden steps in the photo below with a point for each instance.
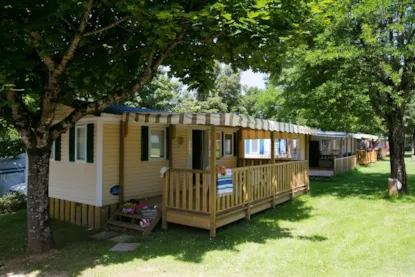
(125, 225)
(135, 216)
(131, 221)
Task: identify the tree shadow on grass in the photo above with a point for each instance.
(369, 183)
(77, 252)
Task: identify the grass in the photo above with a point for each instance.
(345, 227)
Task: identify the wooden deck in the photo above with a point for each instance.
(364, 157)
(190, 199)
(321, 172)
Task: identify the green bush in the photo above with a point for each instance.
(11, 203)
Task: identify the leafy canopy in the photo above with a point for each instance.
(353, 65)
(104, 50)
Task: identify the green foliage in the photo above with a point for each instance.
(162, 93)
(11, 146)
(109, 62)
(12, 203)
(352, 66)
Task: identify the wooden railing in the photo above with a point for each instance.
(365, 157)
(342, 165)
(253, 162)
(188, 190)
(381, 153)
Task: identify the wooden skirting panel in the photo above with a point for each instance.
(84, 215)
(230, 217)
(188, 219)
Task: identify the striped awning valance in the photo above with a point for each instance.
(365, 136)
(223, 119)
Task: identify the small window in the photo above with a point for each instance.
(255, 146)
(52, 151)
(218, 145)
(295, 147)
(81, 143)
(228, 144)
(158, 144)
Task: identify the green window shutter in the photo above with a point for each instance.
(235, 144)
(90, 143)
(144, 143)
(72, 144)
(167, 143)
(58, 149)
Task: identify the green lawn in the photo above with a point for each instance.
(345, 227)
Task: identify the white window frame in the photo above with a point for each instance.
(220, 144)
(164, 158)
(52, 151)
(76, 143)
(232, 146)
(251, 144)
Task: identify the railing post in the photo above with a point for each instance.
(334, 166)
(212, 204)
(248, 196)
(274, 184)
(306, 180)
(164, 200)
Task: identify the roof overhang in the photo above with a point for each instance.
(218, 119)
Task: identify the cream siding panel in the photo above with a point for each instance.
(179, 152)
(142, 178)
(110, 162)
(73, 181)
(62, 111)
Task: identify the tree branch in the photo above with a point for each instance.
(46, 59)
(67, 22)
(112, 25)
(75, 41)
(20, 117)
(83, 108)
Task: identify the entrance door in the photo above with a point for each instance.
(314, 154)
(197, 149)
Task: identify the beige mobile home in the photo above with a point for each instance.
(117, 155)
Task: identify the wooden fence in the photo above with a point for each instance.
(188, 198)
(342, 165)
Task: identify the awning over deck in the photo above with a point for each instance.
(222, 119)
(332, 135)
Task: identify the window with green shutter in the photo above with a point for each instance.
(90, 143)
(72, 144)
(57, 149)
(144, 143)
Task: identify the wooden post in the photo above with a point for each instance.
(241, 149)
(273, 177)
(170, 143)
(166, 179)
(249, 194)
(212, 190)
(121, 164)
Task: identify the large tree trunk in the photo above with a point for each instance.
(39, 233)
(397, 149)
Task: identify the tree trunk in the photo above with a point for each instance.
(413, 143)
(397, 149)
(38, 223)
